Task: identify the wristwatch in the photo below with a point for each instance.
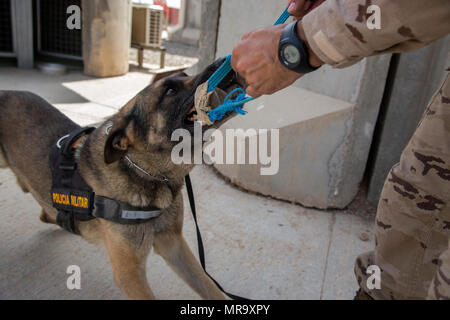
(292, 51)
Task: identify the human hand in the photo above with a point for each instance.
(255, 58)
(299, 8)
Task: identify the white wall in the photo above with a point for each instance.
(239, 17)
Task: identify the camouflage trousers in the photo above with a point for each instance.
(412, 226)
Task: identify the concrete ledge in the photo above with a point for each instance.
(324, 144)
(312, 127)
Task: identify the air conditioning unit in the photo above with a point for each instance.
(147, 25)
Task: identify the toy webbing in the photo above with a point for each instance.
(238, 102)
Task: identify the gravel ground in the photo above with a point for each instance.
(177, 55)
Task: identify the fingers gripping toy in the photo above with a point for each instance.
(209, 95)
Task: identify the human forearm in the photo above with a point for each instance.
(338, 34)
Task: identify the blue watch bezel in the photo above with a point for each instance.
(290, 37)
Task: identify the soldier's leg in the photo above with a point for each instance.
(440, 286)
(412, 225)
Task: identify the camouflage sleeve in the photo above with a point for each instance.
(440, 286)
(338, 30)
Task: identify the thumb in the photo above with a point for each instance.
(253, 92)
(296, 8)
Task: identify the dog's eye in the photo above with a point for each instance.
(171, 92)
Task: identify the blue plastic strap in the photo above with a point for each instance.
(220, 74)
(230, 105)
(283, 18)
(237, 103)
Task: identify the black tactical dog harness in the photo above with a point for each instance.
(75, 199)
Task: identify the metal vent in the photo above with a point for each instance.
(6, 37)
(147, 25)
(54, 37)
(155, 26)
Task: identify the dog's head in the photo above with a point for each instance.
(147, 122)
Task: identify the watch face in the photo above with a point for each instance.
(291, 54)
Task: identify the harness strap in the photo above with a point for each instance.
(66, 220)
(121, 212)
(70, 139)
(201, 250)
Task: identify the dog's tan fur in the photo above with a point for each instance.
(29, 126)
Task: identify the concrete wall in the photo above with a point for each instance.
(193, 14)
(210, 12)
(189, 30)
(322, 157)
(239, 17)
(417, 76)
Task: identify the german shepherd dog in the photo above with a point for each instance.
(29, 127)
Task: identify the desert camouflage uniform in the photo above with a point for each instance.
(412, 225)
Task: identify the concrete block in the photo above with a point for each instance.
(324, 145)
(309, 141)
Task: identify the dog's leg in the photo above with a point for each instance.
(44, 217)
(22, 186)
(128, 263)
(175, 251)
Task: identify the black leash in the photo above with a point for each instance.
(201, 250)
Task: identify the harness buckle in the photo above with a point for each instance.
(68, 165)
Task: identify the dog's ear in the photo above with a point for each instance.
(118, 141)
(116, 146)
(120, 134)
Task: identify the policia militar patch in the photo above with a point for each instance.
(66, 199)
(74, 198)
